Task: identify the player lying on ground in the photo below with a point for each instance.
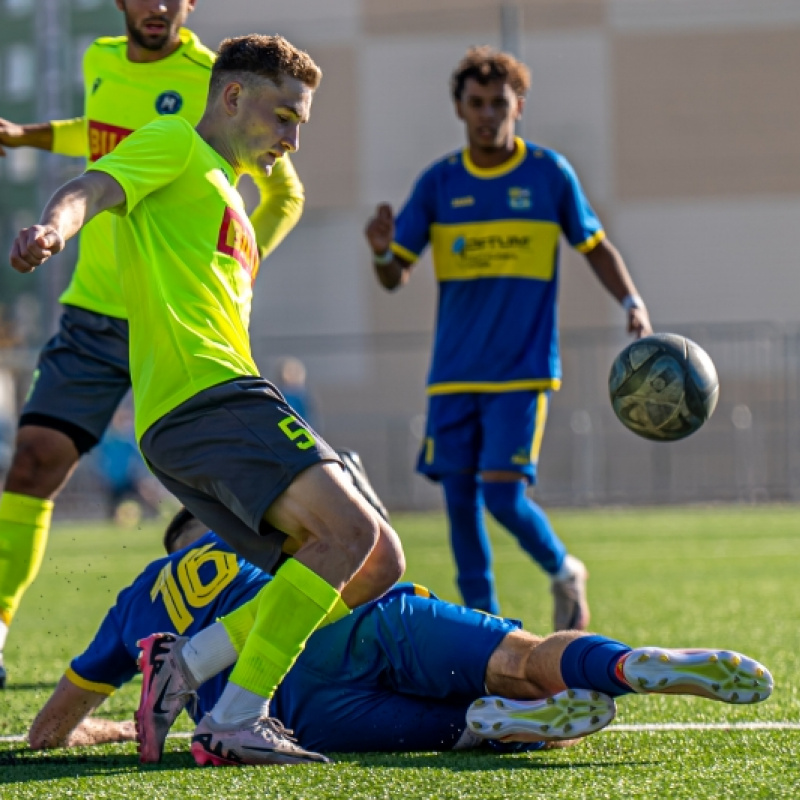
(406, 672)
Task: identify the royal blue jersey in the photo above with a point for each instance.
(182, 593)
(364, 683)
(495, 237)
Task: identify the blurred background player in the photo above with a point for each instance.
(212, 430)
(131, 491)
(406, 672)
(493, 214)
(159, 68)
(291, 379)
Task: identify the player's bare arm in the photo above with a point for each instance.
(64, 721)
(34, 134)
(391, 270)
(607, 263)
(68, 210)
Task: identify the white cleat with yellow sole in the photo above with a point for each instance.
(713, 674)
(567, 715)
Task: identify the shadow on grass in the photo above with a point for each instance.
(21, 764)
(24, 765)
(474, 761)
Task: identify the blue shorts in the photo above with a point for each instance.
(397, 674)
(477, 432)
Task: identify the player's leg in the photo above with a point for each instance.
(526, 673)
(174, 666)
(80, 379)
(508, 463)
(293, 485)
(449, 454)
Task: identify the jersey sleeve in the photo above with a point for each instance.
(280, 205)
(69, 136)
(413, 224)
(148, 159)
(577, 218)
(106, 664)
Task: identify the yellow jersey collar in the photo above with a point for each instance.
(495, 172)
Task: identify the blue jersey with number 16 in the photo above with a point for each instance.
(182, 593)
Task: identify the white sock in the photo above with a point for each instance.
(237, 706)
(208, 652)
(3, 634)
(567, 569)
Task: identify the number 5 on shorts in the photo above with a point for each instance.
(306, 439)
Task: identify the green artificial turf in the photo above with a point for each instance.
(714, 577)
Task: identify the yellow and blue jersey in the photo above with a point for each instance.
(494, 235)
(181, 593)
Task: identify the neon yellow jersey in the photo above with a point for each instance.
(122, 96)
(187, 257)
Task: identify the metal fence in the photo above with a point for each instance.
(370, 391)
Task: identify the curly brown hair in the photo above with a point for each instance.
(270, 57)
(485, 64)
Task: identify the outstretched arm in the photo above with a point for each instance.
(34, 134)
(64, 720)
(607, 264)
(67, 137)
(68, 210)
(391, 270)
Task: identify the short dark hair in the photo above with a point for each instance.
(485, 64)
(177, 526)
(271, 57)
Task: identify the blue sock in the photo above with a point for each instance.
(590, 662)
(507, 502)
(470, 542)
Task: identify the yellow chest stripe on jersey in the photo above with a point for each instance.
(505, 248)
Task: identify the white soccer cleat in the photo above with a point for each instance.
(567, 715)
(570, 608)
(713, 674)
(263, 741)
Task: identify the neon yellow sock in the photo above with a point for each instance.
(290, 608)
(24, 528)
(239, 622)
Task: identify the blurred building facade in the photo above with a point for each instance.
(681, 118)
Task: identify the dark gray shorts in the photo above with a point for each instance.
(81, 378)
(227, 453)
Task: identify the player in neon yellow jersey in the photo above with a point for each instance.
(215, 433)
(159, 69)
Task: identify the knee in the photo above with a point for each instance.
(386, 562)
(41, 460)
(502, 499)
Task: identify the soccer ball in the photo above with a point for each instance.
(663, 387)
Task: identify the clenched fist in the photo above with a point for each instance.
(35, 245)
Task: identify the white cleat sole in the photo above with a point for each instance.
(713, 674)
(567, 715)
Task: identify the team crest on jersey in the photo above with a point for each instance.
(519, 198)
(169, 102)
(236, 239)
